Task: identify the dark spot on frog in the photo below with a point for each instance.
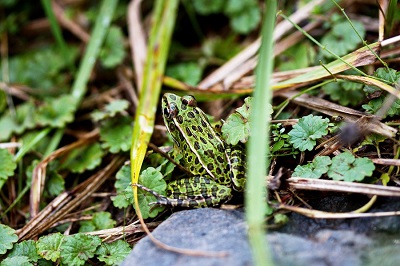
(189, 133)
(220, 148)
(181, 137)
(179, 118)
(197, 145)
(218, 170)
(172, 126)
(190, 115)
(203, 140)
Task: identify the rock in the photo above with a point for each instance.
(225, 230)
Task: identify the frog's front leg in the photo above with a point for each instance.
(194, 192)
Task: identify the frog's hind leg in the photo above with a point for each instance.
(196, 192)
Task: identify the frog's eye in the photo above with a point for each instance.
(171, 111)
(189, 100)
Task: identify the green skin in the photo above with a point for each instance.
(216, 167)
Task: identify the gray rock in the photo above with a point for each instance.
(225, 230)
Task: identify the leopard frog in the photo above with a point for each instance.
(216, 167)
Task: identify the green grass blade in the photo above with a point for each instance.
(92, 51)
(258, 146)
(55, 29)
(157, 53)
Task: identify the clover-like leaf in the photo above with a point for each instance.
(315, 169)
(113, 51)
(345, 92)
(77, 249)
(375, 104)
(246, 20)
(348, 168)
(100, 221)
(116, 134)
(49, 246)
(7, 238)
(152, 179)
(385, 74)
(56, 112)
(237, 126)
(123, 187)
(342, 38)
(23, 119)
(188, 72)
(309, 128)
(25, 248)
(111, 110)
(42, 68)
(113, 253)
(16, 260)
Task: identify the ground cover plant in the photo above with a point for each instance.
(81, 89)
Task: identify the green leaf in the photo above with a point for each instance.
(152, 179)
(315, 169)
(123, 187)
(348, 168)
(375, 104)
(25, 248)
(83, 158)
(237, 126)
(100, 221)
(16, 260)
(298, 56)
(220, 47)
(385, 74)
(345, 92)
(111, 110)
(206, 7)
(42, 69)
(246, 20)
(113, 52)
(189, 72)
(113, 253)
(56, 112)
(309, 128)
(116, 134)
(7, 166)
(49, 246)
(342, 38)
(7, 238)
(22, 120)
(77, 249)
(55, 183)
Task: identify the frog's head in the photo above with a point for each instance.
(178, 111)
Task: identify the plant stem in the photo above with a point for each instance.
(258, 146)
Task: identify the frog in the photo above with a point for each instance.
(216, 168)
